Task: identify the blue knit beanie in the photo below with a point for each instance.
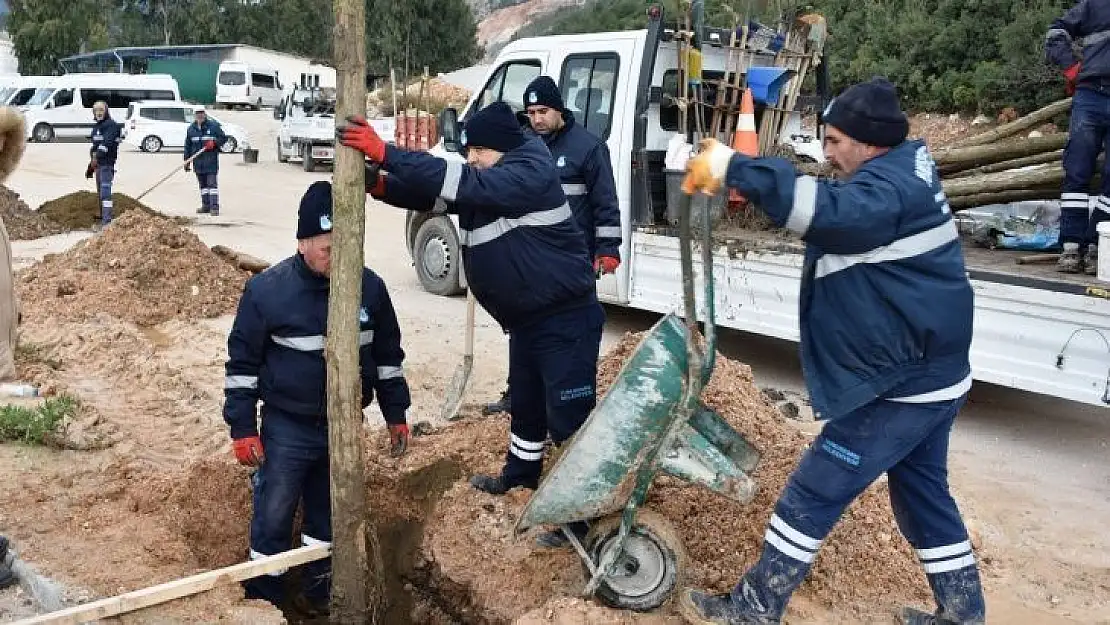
(869, 113)
(314, 214)
(494, 127)
(544, 92)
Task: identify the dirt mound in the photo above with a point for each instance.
(81, 209)
(22, 222)
(143, 268)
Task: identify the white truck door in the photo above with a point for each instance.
(597, 86)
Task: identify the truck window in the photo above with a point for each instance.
(233, 78)
(508, 84)
(588, 83)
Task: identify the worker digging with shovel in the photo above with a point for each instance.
(886, 324)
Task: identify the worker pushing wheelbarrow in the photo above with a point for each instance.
(650, 421)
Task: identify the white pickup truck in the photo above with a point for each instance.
(1035, 329)
(307, 130)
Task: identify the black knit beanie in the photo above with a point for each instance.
(314, 214)
(544, 92)
(869, 113)
(494, 127)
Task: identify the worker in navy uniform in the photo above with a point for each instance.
(886, 313)
(526, 261)
(276, 356)
(205, 135)
(586, 172)
(102, 157)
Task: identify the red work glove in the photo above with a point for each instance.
(1071, 74)
(398, 439)
(606, 264)
(361, 136)
(248, 451)
(210, 145)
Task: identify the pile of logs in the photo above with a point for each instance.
(995, 167)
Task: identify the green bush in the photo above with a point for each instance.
(38, 425)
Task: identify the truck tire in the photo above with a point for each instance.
(307, 161)
(282, 158)
(438, 257)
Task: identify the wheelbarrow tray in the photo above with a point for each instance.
(596, 474)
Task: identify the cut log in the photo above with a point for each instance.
(955, 159)
(1025, 161)
(961, 202)
(1038, 176)
(243, 261)
(1035, 118)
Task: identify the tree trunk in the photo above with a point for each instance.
(1008, 130)
(1043, 176)
(955, 159)
(356, 556)
(1025, 161)
(960, 202)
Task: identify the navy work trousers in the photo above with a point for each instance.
(907, 441)
(209, 193)
(104, 176)
(1087, 136)
(553, 376)
(295, 470)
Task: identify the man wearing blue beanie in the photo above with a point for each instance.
(526, 262)
(886, 322)
(276, 356)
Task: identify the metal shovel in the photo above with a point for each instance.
(461, 379)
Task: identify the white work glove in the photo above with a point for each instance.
(706, 171)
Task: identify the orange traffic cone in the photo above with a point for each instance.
(745, 140)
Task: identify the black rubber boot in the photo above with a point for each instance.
(495, 485)
(699, 608)
(556, 539)
(913, 616)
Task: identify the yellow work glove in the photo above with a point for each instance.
(706, 171)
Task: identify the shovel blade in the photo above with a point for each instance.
(457, 389)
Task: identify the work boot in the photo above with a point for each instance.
(913, 616)
(1070, 260)
(496, 485)
(501, 405)
(215, 212)
(1090, 261)
(203, 210)
(556, 539)
(699, 608)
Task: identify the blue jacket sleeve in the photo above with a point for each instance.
(189, 151)
(403, 194)
(496, 188)
(1063, 32)
(598, 172)
(838, 218)
(390, 385)
(218, 132)
(245, 346)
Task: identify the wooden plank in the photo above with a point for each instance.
(184, 587)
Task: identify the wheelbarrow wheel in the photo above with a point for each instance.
(652, 566)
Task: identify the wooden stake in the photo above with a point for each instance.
(356, 565)
(139, 599)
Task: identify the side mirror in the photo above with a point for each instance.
(449, 128)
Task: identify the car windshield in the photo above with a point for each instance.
(233, 78)
(41, 96)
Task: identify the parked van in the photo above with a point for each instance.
(244, 84)
(64, 107)
(22, 91)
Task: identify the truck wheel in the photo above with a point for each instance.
(307, 161)
(282, 158)
(438, 257)
(651, 567)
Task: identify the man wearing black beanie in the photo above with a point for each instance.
(525, 260)
(886, 322)
(276, 356)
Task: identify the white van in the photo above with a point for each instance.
(244, 84)
(22, 91)
(64, 107)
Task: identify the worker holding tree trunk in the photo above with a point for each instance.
(886, 323)
(276, 356)
(526, 262)
(1086, 26)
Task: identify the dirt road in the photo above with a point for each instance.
(1032, 475)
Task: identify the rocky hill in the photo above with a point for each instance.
(499, 20)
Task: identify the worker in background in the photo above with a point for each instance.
(886, 314)
(1086, 26)
(586, 172)
(276, 356)
(102, 157)
(205, 135)
(527, 264)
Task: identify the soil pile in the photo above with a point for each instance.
(22, 222)
(81, 210)
(143, 268)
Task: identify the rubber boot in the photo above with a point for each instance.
(496, 485)
(1070, 260)
(556, 539)
(959, 597)
(700, 608)
(1090, 261)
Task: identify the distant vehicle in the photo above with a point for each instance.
(246, 84)
(155, 124)
(63, 108)
(307, 128)
(20, 91)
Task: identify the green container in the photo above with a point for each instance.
(195, 79)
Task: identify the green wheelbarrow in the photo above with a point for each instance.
(650, 421)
